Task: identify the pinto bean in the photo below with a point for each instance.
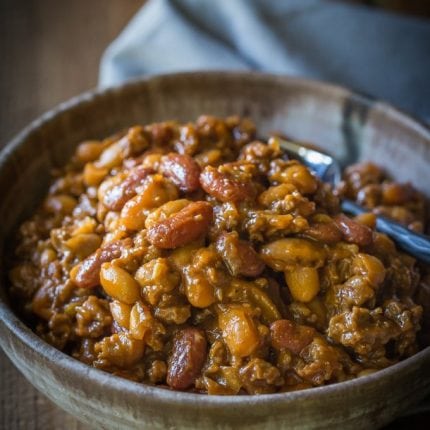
(199, 291)
(156, 191)
(94, 175)
(132, 143)
(354, 232)
(182, 170)
(119, 350)
(120, 313)
(285, 334)
(239, 330)
(165, 211)
(224, 187)
(239, 255)
(303, 283)
(187, 359)
(89, 150)
(119, 284)
(326, 232)
(183, 227)
(87, 273)
(117, 196)
(288, 253)
(111, 156)
(83, 244)
(141, 321)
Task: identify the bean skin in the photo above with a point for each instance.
(117, 196)
(187, 359)
(183, 227)
(324, 232)
(239, 330)
(239, 255)
(225, 188)
(354, 232)
(182, 170)
(119, 284)
(87, 273)
(284, 254)
(303, 283)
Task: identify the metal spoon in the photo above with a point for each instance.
(328, 170)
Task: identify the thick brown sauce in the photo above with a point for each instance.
(193, 256)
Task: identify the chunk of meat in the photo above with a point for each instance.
(321, 363)
(258, 376)
(93, 318)
(366, 332)
(285, 334)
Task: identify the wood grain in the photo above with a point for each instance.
(50, 52)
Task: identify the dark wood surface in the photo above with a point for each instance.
(50, 51)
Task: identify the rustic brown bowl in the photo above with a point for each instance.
(334, 118)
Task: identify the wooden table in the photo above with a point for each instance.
(50, 52)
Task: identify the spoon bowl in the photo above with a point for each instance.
(328, 169)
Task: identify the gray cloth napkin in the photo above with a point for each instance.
(382, 54)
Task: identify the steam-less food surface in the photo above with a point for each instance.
(195, 257)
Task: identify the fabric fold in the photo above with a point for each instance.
(382, 54)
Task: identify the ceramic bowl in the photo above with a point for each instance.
(336, 119)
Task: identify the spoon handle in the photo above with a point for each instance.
(413, 243)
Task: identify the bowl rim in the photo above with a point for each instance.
(164, 395)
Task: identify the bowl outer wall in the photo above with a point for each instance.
(336, 119)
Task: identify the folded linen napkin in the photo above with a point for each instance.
(380, 53)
